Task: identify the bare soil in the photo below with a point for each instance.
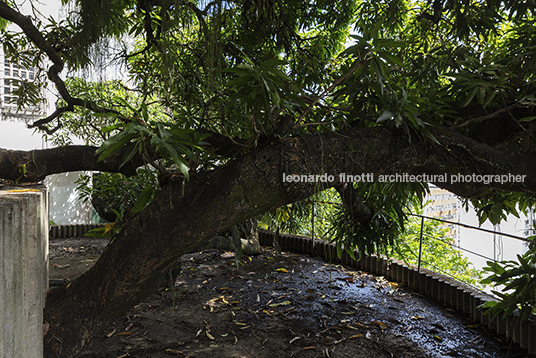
(278, 305)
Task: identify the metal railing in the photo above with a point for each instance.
(420, 261)
(494, 232)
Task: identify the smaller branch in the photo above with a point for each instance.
(319, 123)
(40, 41)
(200, 16)
(57, 113)
(53, 130)
(487, 116)
(436, 17)
(143, 50)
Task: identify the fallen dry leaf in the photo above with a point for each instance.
(355, 336)
(381, 324)
(173, 351)
(58, 266)
(349, 327)
(294, 340)
(283, 296)
(111, 333)
(282, 270)
(285, 303)
(125, 333)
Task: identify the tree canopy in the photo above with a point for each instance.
(222, 100)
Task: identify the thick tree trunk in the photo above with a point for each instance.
(132, 266)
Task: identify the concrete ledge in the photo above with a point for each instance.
(23, 270)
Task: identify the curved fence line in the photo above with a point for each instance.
(457, 295)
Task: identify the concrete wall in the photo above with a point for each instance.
(23, 271)
(65, 207)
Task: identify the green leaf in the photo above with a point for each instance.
(144, 112)
(143, 200)
(134, 149)
(272, 63)
(393, 59)
(240, 81)
(382, 43)
(527, 119)
(387, 114)
(112, 127)
(470, 98)
(113, 144)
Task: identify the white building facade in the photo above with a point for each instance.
(479, 246)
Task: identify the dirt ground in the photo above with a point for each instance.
(278, 305)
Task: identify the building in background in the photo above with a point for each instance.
(444, 205)
(478, 246)
(65, 207)
(11, 76)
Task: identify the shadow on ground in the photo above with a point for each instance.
(286, 305)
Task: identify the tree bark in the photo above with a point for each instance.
(353, 204)
(149, 243)
(33, 166)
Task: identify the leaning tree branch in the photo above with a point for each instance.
(150, 242)
(33, 166)
(378, 150)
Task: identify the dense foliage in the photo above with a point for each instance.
(259, 72)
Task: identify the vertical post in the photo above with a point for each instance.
(420, 244)
(494, 243)
(313, 224)
(23, 270)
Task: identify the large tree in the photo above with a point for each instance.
(225, 99)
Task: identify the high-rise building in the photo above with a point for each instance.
(11, 77)
(444, 205)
